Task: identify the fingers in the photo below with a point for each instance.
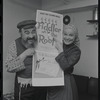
(29, 52)
(32, 50)
(54, 36)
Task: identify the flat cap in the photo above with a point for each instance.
(26, 23)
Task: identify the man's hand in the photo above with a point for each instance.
(28, 52)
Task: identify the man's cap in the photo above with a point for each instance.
(26, 23)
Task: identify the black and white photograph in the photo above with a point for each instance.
(50, 50)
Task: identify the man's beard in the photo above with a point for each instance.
(29, 44)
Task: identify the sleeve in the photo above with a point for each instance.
(13, 63)
(69, 59)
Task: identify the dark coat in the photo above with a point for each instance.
(68, 58)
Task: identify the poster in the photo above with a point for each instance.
(46, 71)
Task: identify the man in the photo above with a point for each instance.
(19, 60)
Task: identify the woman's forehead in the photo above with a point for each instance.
(68, 30)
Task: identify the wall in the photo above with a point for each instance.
(13, 13)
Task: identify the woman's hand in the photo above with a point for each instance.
(58, 44)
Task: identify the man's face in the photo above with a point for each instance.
(68, 36)
(29, 35)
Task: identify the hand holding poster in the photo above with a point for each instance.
(46, 71)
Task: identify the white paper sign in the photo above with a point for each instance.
(46, 71)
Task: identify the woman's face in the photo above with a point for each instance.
(68, 36)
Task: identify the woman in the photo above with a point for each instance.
(69, 55)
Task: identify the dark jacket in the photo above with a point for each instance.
(68, 58)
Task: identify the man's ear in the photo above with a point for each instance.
(20, 31)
